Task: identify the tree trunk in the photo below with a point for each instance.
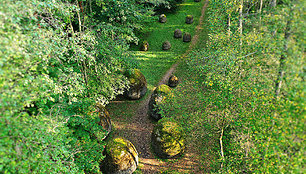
(284, 56)
(81, 6)
(221, 147)
(259, 12)
(273, 3)
(80, 23)
(241, 21)
(229, 25)
(90, 8)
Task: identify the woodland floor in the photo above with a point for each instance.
(131, 121)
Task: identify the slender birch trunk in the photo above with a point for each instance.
(241, 21)
(273, 3)
(229, 25)
(283, 57)
(259, 12)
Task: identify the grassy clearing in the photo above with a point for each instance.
(160, 32)
(154, 63)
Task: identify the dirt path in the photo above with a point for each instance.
(140, 128)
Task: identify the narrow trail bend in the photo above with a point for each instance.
(140, 127)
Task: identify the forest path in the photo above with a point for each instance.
(139, 128)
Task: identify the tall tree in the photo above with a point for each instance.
(284, 54)
(241, 21)
(273, 3)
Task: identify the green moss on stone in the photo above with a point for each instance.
(163, 89)
(116, 146)
(135, 77)
(168, 139)
(121, 157)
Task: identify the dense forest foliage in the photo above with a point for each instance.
(60, 58)
(249, 83)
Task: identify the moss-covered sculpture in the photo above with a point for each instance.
(173, 81)
(166, 45)
(189, 19)
(138, 84)
(162, 18)
(187, 37)
(177, 33)
(159, 95)
(121, 157)
(145, 46)
(167, 139)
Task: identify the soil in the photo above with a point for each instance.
(140, 126)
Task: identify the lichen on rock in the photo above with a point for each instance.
(158, 97)
(189, 19)
(121, 157)
(173, 81)
(162, 18)
(145, 46)
(138, 84)
(167, 139)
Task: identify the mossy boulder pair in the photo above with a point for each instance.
(167, 139)
(138, 84)
(178, 34)
(121, 157)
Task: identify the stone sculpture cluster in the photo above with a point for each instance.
(121, 156)
(167, 136)
(177, 33)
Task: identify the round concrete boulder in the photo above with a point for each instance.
(159, 95)
(173, 81)
(189, 19)
(167, 139)
(162, 18)
(138, 84)
(187, 37)
(166, 45)
(145, 46)
(121, 157)
(177, 33)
